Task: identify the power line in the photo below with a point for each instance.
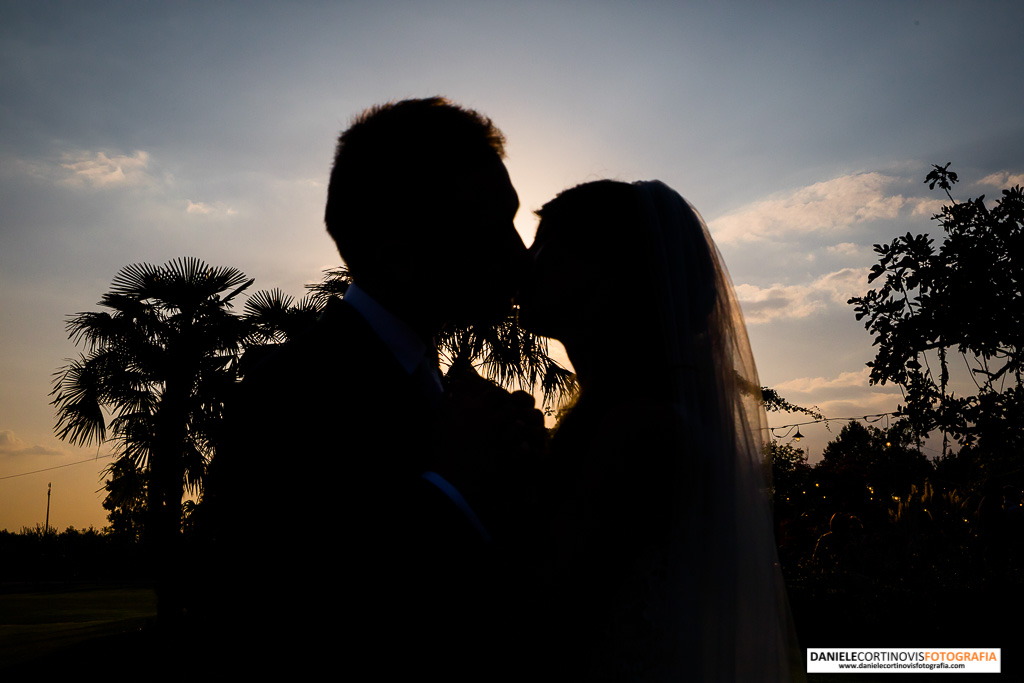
(55, 467)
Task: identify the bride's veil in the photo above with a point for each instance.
(727, 616)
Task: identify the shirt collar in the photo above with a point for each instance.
(408, 349)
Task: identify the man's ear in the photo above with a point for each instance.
(403, 260)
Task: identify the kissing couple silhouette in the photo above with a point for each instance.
(384, 518)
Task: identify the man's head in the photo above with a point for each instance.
(419, 197)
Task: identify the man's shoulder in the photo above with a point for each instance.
(339, 343)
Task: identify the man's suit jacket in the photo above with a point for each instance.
(328, 521)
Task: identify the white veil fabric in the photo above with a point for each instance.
(726, 616)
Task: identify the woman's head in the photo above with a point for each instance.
(583, 254)
(599, 258)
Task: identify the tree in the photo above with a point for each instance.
(125, 502)
(866, 467)
(790, 476)
(276, 317)
(963, 298)
(159, 361)
(504, 352)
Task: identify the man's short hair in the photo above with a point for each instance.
(393, 161)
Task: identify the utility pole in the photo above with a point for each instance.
(48, 485)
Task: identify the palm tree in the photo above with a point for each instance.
(504, 352)
(157, 366)
(276, 317)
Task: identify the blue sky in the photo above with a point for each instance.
(801, 130)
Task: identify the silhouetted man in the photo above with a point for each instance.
(348, 538)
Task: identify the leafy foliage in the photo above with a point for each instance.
(790, 475)
(505, 352)
(865, 463)
(275, 317)
(773, 402)
(334, 283)
(962, 298)
(125, 502)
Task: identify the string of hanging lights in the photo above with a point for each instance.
(796, 436)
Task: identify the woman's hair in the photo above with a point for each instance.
(592, 210)
(610, 219)
(722, 592)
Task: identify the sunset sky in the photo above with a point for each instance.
(802, 131)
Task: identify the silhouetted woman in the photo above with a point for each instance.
(664, 564)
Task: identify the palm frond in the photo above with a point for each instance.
(135, 280)
(510, 356)
(134, 394)
(557, 384)
(226, 301)
(194, 464)
(275, 317)
(135, 437)
(267, 302)
(78, 395)
(334, 283)
(101, 328)
(309, 304)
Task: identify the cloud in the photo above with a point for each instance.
(809, 384)
(206, 209)
(828, 206)
(926, 207)
(861, 402)
(764, 304)
(844, 249)
(846, 395)
(99, 170)
(1002, 179)
(12, 445)
(8, 441)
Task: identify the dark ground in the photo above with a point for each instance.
(72, 629)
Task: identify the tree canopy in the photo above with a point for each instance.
(160, 360)
(962, 298)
